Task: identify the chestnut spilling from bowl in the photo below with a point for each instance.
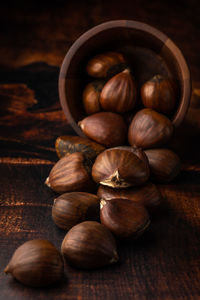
(107, 177)
(124, 126)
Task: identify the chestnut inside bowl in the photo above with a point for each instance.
(149, 52)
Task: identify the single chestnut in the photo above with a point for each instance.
(106, 64)
(149, 129)
(121, 167)
(159, 93)
(66, 145)
(91, 96)
(164, 164)
(146, 194)
(72, 208)
(89, 245)
(36, 263)
(106, 128)
(70, 173)
(124, 218)
(119, 93)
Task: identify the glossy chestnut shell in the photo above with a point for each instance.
(119, 93)
(70, 173)
(149, 129)
(91, 96)
(121, 167)
(106, 64)
(124, 218)
(89, 245)
(73, 208)
(106, 128)
(146, 194)
(164, 164)
(36, 263)
(159, 93)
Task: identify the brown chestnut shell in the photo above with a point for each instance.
(66, 145)
(147, 194)
(120, 167)
(70, 173)
(106, 128)
(124, 218)
(91, 97)
(119, 93)
(164, 164)
(106, 64)
(159, 93)
(72, 208)
(149, 129)
(36, 263)
(89, 245)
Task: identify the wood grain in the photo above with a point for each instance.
(162, 264)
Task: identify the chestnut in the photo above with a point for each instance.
(66, 145)
(159, 93)
(121, 167)
(72, 208)
(124, 218)
(91, 96)
(106, 128)
(149, 129)
(147, 194)
(89, 245)
(70, 173)
(164, 164)
(106, 64)
(36, 263)
(119, 93)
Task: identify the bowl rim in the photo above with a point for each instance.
(167, 42)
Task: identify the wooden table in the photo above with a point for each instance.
(164, 263)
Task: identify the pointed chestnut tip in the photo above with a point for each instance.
(102, 203)
(80, 124)
(47, 182)
(7, 269)
(126, 71)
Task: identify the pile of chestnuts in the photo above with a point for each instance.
(105, 179)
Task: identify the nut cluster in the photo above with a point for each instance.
(104, 180)
(115, 100)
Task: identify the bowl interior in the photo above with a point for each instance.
(149, 52)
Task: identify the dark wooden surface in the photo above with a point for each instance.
(164, 263)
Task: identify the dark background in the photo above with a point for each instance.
(34, 38)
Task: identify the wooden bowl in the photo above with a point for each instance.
(148, 50)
